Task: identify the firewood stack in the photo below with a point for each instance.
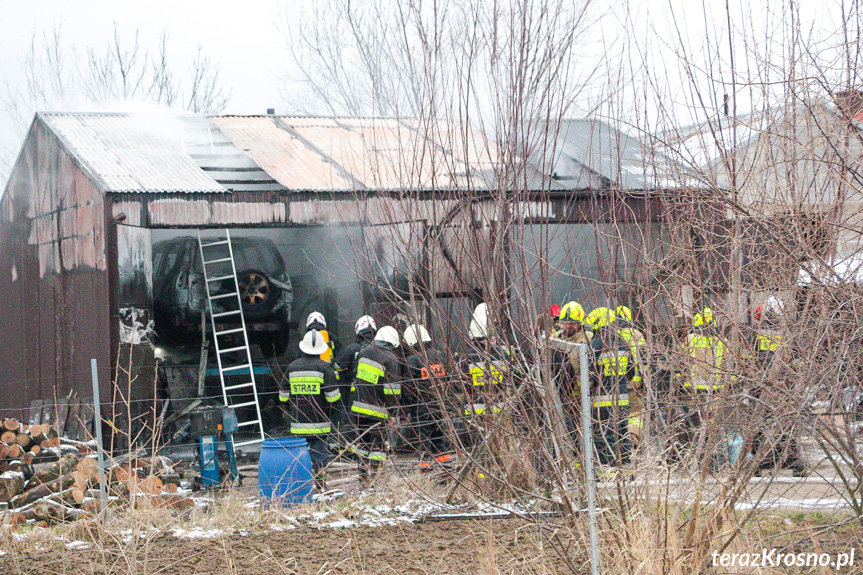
(67, 489)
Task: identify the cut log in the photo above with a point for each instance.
(50, 442)
(42, 523)
(170, 488)
(27, 458)
(4, 451)
(11, 484)
(8, 437)
(35, 429)
(15, 465)
(11, 424)
(35, 449)
(71, 496)
(24, 440)
(122, 473)
(62, 467)
(15, 451)
(49, 431)
(43, 490)
(82, 482)
(52, 511)
(89, 466)
(4, 466)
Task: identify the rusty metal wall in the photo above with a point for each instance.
(53, 278)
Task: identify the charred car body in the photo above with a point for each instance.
(265, 288)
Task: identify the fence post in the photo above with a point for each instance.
(97, 408)
(587, 439)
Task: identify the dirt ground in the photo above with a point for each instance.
(450, 547)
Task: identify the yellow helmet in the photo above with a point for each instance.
(704, 318)
(600, 317)
(624, 312)
(572, 312)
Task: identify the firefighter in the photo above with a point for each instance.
(317, 322)
(636, 342)
(378, 387)
(345, 364)
(484, 363)
(782, 448)
(704, 379)
(424, 389)
(566, 365)
(609, 399)
(554, 312)
(312, 392)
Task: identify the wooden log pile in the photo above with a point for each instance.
(67, 488)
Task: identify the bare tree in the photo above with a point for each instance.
(57, 73)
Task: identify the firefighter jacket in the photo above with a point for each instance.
(378, 382)
(566, 367)
(769, 339)
(614, 366)
(425, 372)
(485, 370)
(312, 391)
(634, 339)
(345, 364)
(706, 354)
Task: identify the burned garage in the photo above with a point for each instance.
(125, 237)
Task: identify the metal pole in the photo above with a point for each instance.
(587, 439)
(97, 408)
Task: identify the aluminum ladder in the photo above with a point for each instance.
(218, 268)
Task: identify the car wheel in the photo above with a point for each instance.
(256, 291)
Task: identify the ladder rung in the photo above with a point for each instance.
(249, 442)
(224, 313)
(237, 367)
(219, 261)
(230, 387)
(223, 295)
(246, 404)
(227, 331)
(248, 423)
(218, 243)
(220, 278)
(230, 349)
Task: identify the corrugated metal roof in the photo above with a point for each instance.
(132, 153)
(283, 154)
(611, 154)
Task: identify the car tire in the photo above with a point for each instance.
(257, 292)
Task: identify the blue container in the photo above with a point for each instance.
(285, 471)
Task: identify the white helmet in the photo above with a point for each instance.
(415, 333)
(316, 317)
(313, 343)
(479, 322)
(389, 335)
(365, 323)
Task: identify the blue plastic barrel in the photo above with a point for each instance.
(285, 471)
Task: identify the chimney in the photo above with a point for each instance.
(271, 111)
(850, 102)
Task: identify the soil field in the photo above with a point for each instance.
(448, 547)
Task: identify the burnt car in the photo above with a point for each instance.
(266, 293)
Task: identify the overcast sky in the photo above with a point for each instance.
(244, 39)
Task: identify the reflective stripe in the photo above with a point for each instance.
(704, 387)
(769, 341)
(477, 372)
(369, 409)
(377, 456)
(306, 382)
(614, 362)
(392, 389)
(284, 396)
(310, 428)
(479, 408)
(370, 370)
(636, 422)
(610, 400)
(332, 396)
